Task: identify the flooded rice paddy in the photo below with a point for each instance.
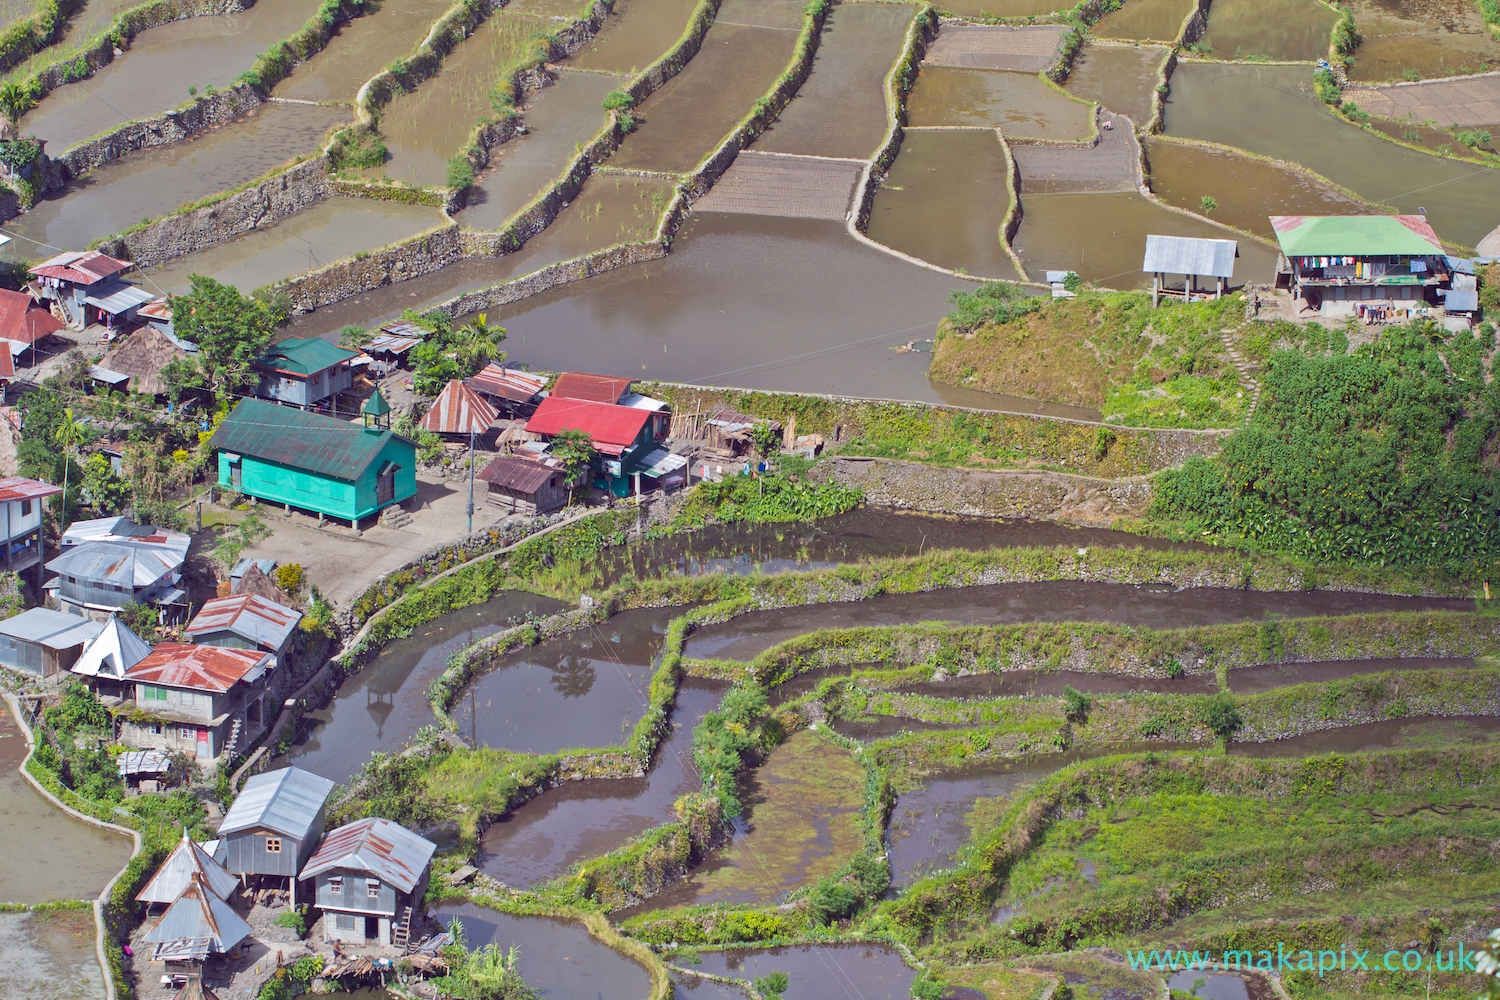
(381, 707)
(558, 958)
(814, 972)
(1420, 39)
(1248, 190)
(162, 63)
(638, 33)
(578, 820)
(1274, 29)
(49, 955)
(944, 202)
(153, 182)
(586, 689)
(1143, 20)
(361, 48)
(315, 237)
(1221, 985)
(1052, 683)
(1269, 676)
(1102, 236)
(841, 109)
(559, 118)
(1271, 110)
(1154, 605)
(1022, 105)
(1122, 78)
(64, 858)
(1422, 732)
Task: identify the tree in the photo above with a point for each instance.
(1222, 716)
(230, 330)
(767, 438)
(15, 101)
(1076, 704)
(575, 449)
(105, 492)
(69, 435)
(477, 343)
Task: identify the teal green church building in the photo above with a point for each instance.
(305, 460)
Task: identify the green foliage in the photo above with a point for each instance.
(291, 981)
(1208, 204)
(1072, 282)
(106, 492)
(452, 353)
(294, 920)
(1221, 715)
(725, 740)
(990, 303)
(1373, 457)
(772, 985)
(764, 498)
(460, 173)
(230, 330)
(1474, 137)
(1352, 111)
(80, 711)
(15, 100)
(575, 449)
(1075, 704)
(357, 147)
(291, 578)
(18, 154)
(355, 337)
(924, 987)
(1345, 37)
(1104, 438)
(767, 439)
(237, 538)
(485, 974)
(1327, 87)
(618, 100)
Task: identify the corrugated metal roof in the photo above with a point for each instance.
(303, 356)
(171, 545)
(116, 562)
(114, 651)
(20, 488)
(80, 268)
(594, 388)
(176, 874)
(1190, 255)
(508, 383)
(390, 343)
(636, 401)
(1461, 301)
(309, 441)
(22, 321)
(458, 410)
(519, 474)
(200, 668)
(198, 913)
(143, 762)
(1356, 235)
(286, 801)
(263, 622)
(384, 849)
(48, 628)
(612, 428)
(119, 296)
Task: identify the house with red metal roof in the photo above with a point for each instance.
(88, 289)
(592, 388)
(367, 877)
(246, 621)
(198, 699)
(22, 323)
(510, 390)
(627, 438)
(458, 411)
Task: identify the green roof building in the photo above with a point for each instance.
(1374, 268)
(303, 372)
(312, 462)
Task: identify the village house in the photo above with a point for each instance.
(392, 344)
(25, 501)
(187, 861)
(1375, 268)
(627, 439)
(522, 485)
(106, 659)
(109, 562)
(367, 877)
(591, 388)
(202, 700)
(196, 925)
(134, 364)
(512, 392)
(22, 323)
(44, 643)
(88, 290)
(303, 372)
(273, 825)
(315, 463)
(458, 412)
(246, 621)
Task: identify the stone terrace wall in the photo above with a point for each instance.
(347, 278)
(162, 130)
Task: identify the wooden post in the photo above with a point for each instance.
(1155, 289)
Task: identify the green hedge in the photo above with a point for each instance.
(276, 63)
(24, 38)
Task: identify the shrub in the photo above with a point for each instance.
(357, 147)
(290, 577)
(1474, 137)
(1076, 704)
(460, 173)
(992, 302)
(294, 920)
(618, 100)
(1221, 715)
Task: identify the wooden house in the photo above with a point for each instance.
(274, 825)
(197, 924)
(109, 562)
(512, 392)
(312, 462)
(176, 873)
(304, 372)
(22, 323)
(107, 658)
(367, 877)
(45, 643)
(520, 485)
(1376, 268)
(201, 700)
(246, 621)
(85, 285)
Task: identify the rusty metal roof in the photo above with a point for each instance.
(21, 488)
(286, 801)
(117, 562)
(519, 474)
(249, 616)
(84, 268)
(177, 872)
(379, 847)
(594, 388)
(200, 668)
(458, 410)
(508, 383)
(198, 913)
(22, 320)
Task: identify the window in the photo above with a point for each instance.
(336, 884)
(190, 733)
(150, 692)
(372, 888)
(273, 845)
(345, 921)
(25, 508)
(155, 728)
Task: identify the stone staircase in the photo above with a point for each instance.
(394, 516)
(1246, 370)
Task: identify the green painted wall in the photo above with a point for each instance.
(335, 497)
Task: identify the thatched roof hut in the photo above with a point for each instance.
(257, 583)
(142, 356)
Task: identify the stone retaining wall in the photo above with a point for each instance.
(162, 130)
(919, 34)
(336, 282)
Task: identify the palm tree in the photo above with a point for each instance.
(14, 102)
(476, 342)
(69, 435)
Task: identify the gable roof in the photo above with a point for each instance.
(113, 652)
(309, 441)
(1190, 255)
(386, 850)
(81, 268)
(53, 629)
(201, 668)
(612, 428)
(22, 320)
(116, 562)
(519, 474)
(286, 801)
(1356, 235)
(303, 356)
(458, 410)
(198, 913)
(21, 488)
(594, 388)
(246, 615)
(176, 874)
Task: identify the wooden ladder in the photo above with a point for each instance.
(402, 933)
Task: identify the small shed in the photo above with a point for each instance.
(1192, 258)
(394, 341)
(272, 828)
(367, 876)
(458, 411)
(186, 861)
(197, 924)
(43, 642)
(523, 486)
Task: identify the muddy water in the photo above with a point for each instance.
(49, 955)
(1249, 191)
(1051, 683)
(558, 120)
(638, 33)
(1103, 238)
(54, 857)
(1221, 985)
(1019, 104)
(330, 230)
(840, 110)
(1268, 676)
(691, 114)
(878, 727)
(1428, 38)
(427, 127)
(558, 958)
(1271, 110)
(586, 819)
(362, 48)
(160, 66)
(1157, 20)
(383, 705)
(818, 972)
(12, 11)
(1417, 733)
(82, 28)
(153, 182)
(1277, 29)
(1153, 605)
(1120, 77)
(944, 202)
(586, 689)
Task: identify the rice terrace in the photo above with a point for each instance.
(764, 499)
